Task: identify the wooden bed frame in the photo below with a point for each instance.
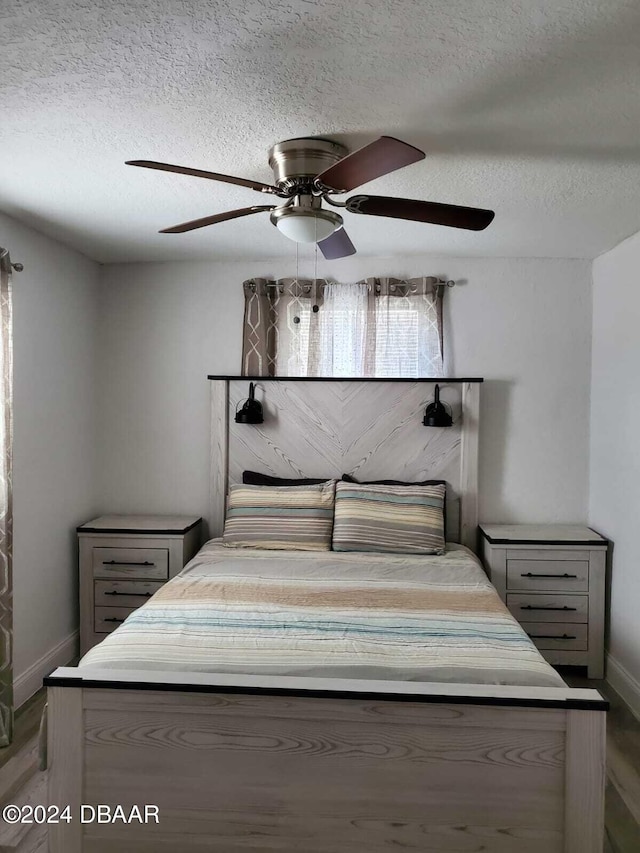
(319, 765)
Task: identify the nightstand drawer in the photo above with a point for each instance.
(107, 619)
(565, 636)
(131, 563)
(550, 554)
(561, 575)
(551, 608)
(124, 593)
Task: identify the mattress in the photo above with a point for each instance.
(329, 614)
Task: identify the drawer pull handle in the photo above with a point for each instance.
(536, 575)
(136, 594)
(113, 619)
(551, 637)
(531, 607)
(125, 563)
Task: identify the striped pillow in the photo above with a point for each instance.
(290, 518)
(398, 519)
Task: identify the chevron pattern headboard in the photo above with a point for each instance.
(371, 429)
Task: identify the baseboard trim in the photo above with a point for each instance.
(30, 681)
(625, 684)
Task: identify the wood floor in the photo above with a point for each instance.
(21, 782)
(622, 802)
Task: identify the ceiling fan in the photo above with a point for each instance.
(308, 171)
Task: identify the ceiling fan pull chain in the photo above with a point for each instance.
(315, 270)
(314, 286)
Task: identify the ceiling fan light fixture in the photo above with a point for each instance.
(306, 225)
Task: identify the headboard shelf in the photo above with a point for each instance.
(443, 379)
(369, 428)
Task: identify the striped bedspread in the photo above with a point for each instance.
(333, 614)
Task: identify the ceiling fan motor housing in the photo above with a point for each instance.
(296, 162)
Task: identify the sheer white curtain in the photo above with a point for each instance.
(344, 334)
(381, 328)
(378, 327)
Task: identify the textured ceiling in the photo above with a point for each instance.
(529, 107)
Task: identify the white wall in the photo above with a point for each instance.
(524, 324)
(55, 314)
(614, 508)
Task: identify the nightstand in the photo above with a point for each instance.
(552, 579)
(124, 559)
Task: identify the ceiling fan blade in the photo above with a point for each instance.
(471, 218)
(218, 217)
(199, 173)
(337, 245)
(372, 161)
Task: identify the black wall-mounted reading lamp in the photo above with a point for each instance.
(251, 411)
(437, 414)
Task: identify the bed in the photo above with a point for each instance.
(328, 702)
(329, 615)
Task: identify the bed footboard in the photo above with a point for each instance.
(318, 766)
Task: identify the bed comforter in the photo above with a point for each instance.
(349, 615)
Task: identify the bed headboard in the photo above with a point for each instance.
(371, 428)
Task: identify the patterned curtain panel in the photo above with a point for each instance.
(378, 327)
(277, 324)
(6, 514)
(408, 327)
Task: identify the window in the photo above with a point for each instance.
(381, 327)
(379, 334)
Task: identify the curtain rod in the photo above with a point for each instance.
(449, 283)
(5, 262)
